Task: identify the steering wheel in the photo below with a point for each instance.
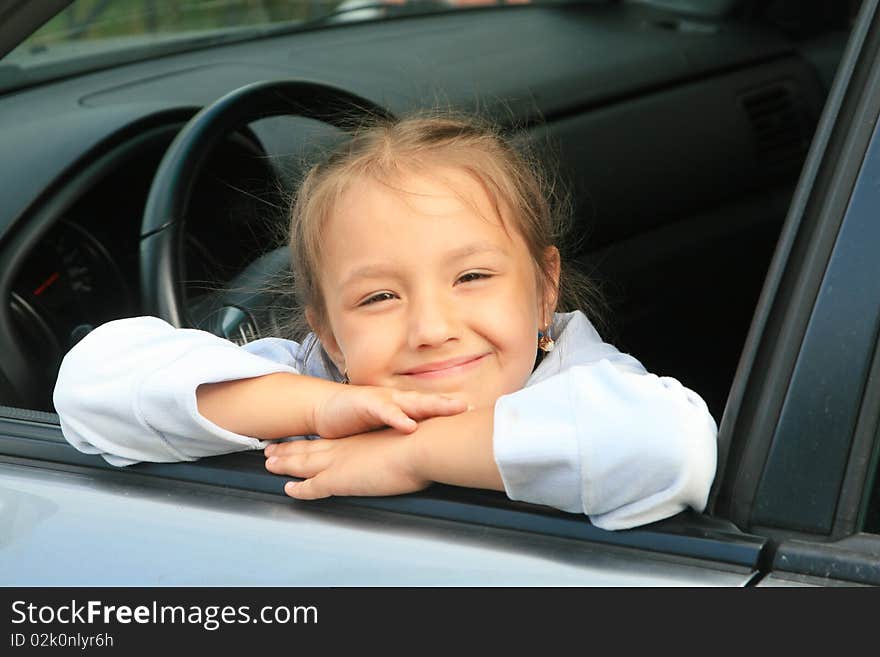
(163, 227)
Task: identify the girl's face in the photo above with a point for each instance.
(427, 288)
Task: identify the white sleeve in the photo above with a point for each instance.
(127, 391)
(625, 448)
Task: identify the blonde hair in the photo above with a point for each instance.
(385, 149)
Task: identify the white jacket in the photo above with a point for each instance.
(591, 432)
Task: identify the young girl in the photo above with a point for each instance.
(423, 256)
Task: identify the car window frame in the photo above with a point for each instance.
(767, 370)
(822, 406)
(833, 194)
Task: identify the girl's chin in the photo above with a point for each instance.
(477, 391)
(476, 397)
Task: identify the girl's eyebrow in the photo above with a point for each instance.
(369, 271)
(379, 270)
(477, 248)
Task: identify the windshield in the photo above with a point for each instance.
(93, 33)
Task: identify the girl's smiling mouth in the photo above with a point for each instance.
(445, 367)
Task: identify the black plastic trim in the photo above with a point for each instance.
(859, 508)
(855, 558)
(810, 449)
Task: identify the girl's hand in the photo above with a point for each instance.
(454, 450)
(378, 463)
(353, 409)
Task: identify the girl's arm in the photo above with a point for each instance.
(140, 390)
(624, 447)
(266, 407)
(127, 391)
(457, 450)
(280, 405)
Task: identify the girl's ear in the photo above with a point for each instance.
(327, 339)
(553, 265)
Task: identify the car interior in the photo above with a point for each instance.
(678, 131)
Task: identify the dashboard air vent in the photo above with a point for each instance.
(780, 126)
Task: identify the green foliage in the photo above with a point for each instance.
(102, 19)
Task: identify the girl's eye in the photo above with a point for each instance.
(472, 276)
(382, 296)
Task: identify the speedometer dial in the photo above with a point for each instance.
(68, 285)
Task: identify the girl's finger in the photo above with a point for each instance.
(394, 417)
(297, 447)
(310, 489)
(305, 464)
(421, 406)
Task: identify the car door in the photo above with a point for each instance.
(799, 440)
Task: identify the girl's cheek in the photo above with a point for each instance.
(369, 356)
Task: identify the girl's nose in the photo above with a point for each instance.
(432, 322)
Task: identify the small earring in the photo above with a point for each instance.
(545, 341)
